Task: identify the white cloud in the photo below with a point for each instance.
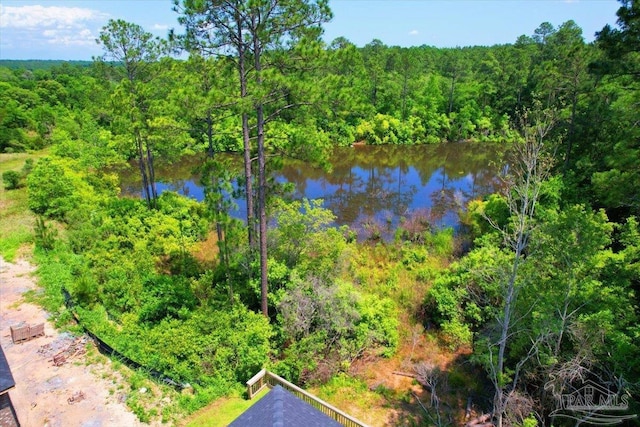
(413, 33)
(160, 27)
(46, 16)
(67, 26)
(83, 37)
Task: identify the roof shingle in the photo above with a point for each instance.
(280, 408)
(6, 378)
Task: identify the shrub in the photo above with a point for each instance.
(456, 334)
(27, 167)
(304, 239)
(52, 190)
(378, 325)
(45, 235)
(166, 297)
(11, 180)
(58, 187)
(384, 129)
(442, 242)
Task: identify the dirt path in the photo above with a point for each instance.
(74, 394)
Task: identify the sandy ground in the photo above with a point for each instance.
(70, 395)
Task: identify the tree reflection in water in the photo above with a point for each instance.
(373, 188)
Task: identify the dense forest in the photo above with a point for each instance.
(535, 296)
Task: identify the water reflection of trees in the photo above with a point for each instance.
(372, 192)
(383, 182)
(468, 171)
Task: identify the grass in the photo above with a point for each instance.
(222, 412)
(16, 221)
(353, 396)
(16, 238)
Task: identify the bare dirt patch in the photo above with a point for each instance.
(75, 393)
(403, 399)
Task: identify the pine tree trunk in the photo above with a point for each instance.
(143, 170)
(262, 183)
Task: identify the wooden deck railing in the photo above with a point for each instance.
(265, 378)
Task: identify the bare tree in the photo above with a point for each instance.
(434, 380)
(524, 181)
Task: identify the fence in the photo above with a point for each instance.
(265, 378)
(106, 349)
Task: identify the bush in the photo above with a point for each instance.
(456, 334)
(378, 325)
(383, 130)
(58, 187)
(166, 297)
(303, 238)
(442, 242)
(45, 235)
(11, 180)
(27, 167)
(52, 190)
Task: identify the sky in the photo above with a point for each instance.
(67, 30)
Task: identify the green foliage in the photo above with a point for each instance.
(115, 273)
(16, 120)
(55, 272)
(59, 187)
(334, 322)
(45, 234)
(377, 328)
(27, 167)
(10, 244)
(456, 334)
(311, 305)
(442, 242)
(11, 180)
(230, 345)
(495, 208)
(466, 296)
(225, 410)
(164, 297)
(341, 381)
(576, 295)
(630, 239)
(320, 315)
(304, 238)
(530, 421)
(301, 359)
(78, 136)
(125, 244)
(202, 396)
(51, 189)
(383, 129)
(208, 349)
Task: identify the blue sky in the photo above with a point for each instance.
(54, 29)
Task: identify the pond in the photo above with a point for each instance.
(374, 184)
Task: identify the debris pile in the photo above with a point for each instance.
(64, 349)
(75, 397)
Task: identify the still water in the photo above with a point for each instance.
(381, 184)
